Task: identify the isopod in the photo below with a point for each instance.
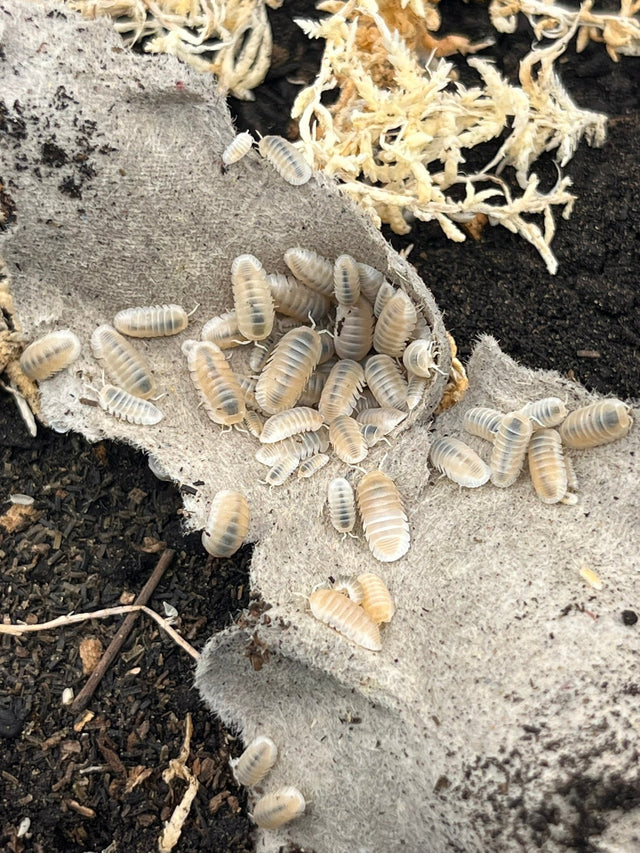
(285, 159)
(342, 506)
(348, 442)
(384, 294)
(125, 406)
(546, 465)
(253, 423)
(294, 299)
(345, 616)
(313, 464)
(255, 762)
(371, 280)
(510, 448)
(151, 321)
(386, 419)
(124, 364)
(384, 378)
(288, 369)
(353, 335)
(346, 280)
(281, 470)
(50, 354)
(311, 268)
(396, 322)
(376, 599)
(418, 357)
(312, 391)
(223, 330)
(350, 587)
(341, 390)
(596, 424)
(547, 412)
(383, 517)
(227, 524)
(252, 298)
(290, 422)
(459, 462)
(482, 421)
(372, 434)
(238, 148)
(279, 807)
(216, 383)
(300, 446)
(416, 386)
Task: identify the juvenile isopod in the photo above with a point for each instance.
(547, 412)
(227, 524)
(300, 446)
(510, 448)
(348, 586)
(255, 762)
(383, 517)
(418, 357)
(341, 390)
(123, 363)
(281, 470)
(311, 268)
(126, 407)
(482, 421)
(371, 280)
(216, 383)
(345, 616)
(346, 280)
(546, 465)
(223, 330)
(396, 322)
(342, 505)
(279, 807)
(151, 321)
(285, 159)
(596, 424)
(290, 422)
(294, 299)
(372, 434)
(384, 294)
(312, 465)
(49, 354)
(416, 386)
(386, 419)
(347, 440)
(238, 148)
(384, 378)
(253, 423)
(288, 369)
(353, 334)
(376, 599)
(459, 462)
(252, 298)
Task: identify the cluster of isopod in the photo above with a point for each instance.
(539, 432)
(282, 155)
(275, 808)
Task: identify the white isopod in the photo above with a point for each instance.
(279, 807)
(49, 354)
(345, 616)
(253, 422)
(151, 321)
(281, 470)
(347, 439)
(216, 383)
(223, 330)
(547, 412)
(416, 386)
(290, 422)
(376, 598)
(596, 424)
(346, 280)
(288, 369)
(294, 299)
(312, 465)
(311, 268)
(238, 148)
(125, 406)
(546, 465)
(386, 419)
(341, 390)
(510, 448)
(384, 294)
(342, 505)
(255, 762)
(371, 281)
(123, 363)
(252, 298)
(285, 159)
(300, 446)
(227, 524)
(384, 520)
(482, 421)
(396, 322)
(459, 462)
(353, 332)
(386, 381)
(348, 586)
(418, 357)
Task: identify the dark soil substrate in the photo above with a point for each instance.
(101, 516)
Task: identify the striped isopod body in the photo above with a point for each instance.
(371, 281)
(288, 369)
(418, 357)
(347, 440)
(546, 465)
(396, 322)
(345, 616)
(509, 448)
(311, 269)
(223, 330)
(123, 363)
(216, 383)
(285, 159)
(353, 334)
(384, 378)
(294, 299)
(384, 294)
(372, 434)
(482, 421)
(348, 586)
(416, 386)
(312, 391)
(376, 599)
(312, 465)
(238, 148)
(281, 470)
(300, 446)
(255, 762)
(253, 423)
(547, 412)
(290, 422)
(328, 349)
(227, 524)
(346, 280)
(49, 354)
(126, 407)
(386, 419)
(151, 321)
(341, 390)
(342, 505)
(383, 517)
(248, 387)
(278, 807)
(459, 462)
(252, 298)
(596, 424)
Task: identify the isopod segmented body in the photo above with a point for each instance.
(341, 390)
(372, 434)
(290, 422)
(151, 321)
(342, 505)
(347, 439)
(50, 354)
(238, 148)
(458, 462)
(345, 616)
(385, 380)
(227, 524)
(384, 294)
(126, 407)
(285, 159)
(253, 422)
(376, 598)
(386, 419)
(396, 322)
(596, 424)
(353, 335)
(346, 280)
(482, 421)
(216, 383)
(281, 470)
(300, 446)
(279, 807)
(294, 299)
(255, 762)
(123, 363)
(288, 369)
(252, 298)
(311, 269)
(546, 465)
(383, 517)
(510, 448)
(312, 465)
(418, 357)
(371, 280)
(416, 386)
(547, 412)
(223, 330)
(348, 586)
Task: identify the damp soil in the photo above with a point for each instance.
(100, 519)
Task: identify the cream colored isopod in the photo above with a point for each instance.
(384, 520)
(279, 807)
(596, 424)
(255, 762)
(50, 354)
(346, 617)
(227, 525)
(376, 598)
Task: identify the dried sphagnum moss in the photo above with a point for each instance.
(397, 134)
